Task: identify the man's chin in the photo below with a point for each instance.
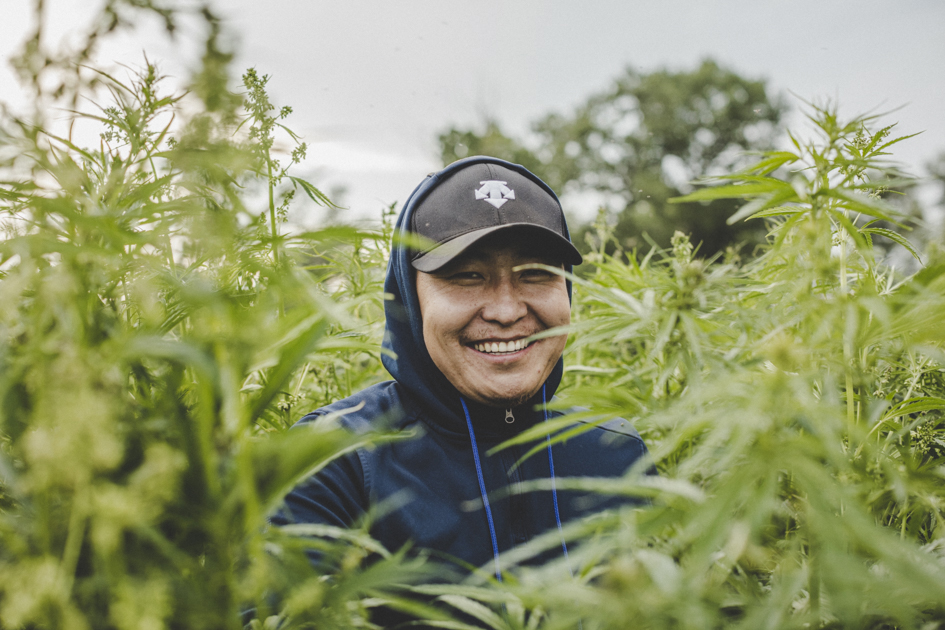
(504, 401)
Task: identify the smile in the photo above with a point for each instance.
(501, 347)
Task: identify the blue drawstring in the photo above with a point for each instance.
(554, 489)
(554, 495)
(485, 499)
(482, 491)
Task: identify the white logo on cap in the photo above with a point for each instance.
(495, 192)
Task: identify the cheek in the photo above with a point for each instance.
(429, 330)
(555, 308)
(564, 311)
(439, 320)
(445, 316)
(558, 313)
(433, 337)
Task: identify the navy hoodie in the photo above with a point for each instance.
(439, 502)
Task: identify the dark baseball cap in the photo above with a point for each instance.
(484, 198)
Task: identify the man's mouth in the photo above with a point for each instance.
(501, 347)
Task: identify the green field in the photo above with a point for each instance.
(161, 327)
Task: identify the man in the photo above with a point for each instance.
(472, 369)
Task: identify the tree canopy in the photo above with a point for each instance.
(640, 143)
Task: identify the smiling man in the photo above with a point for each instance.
(473, 366)
(480, 312)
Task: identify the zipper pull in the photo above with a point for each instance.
(509, 418)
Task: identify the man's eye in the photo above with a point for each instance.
(466, 275)
(536, 274)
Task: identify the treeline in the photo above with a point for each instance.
(647, 139)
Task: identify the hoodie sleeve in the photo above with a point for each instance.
(335, 495)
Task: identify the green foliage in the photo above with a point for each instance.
(794, 404)
(639, 143)
(155, 329)
(161, 327)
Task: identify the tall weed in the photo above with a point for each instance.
(793, 404)
(160, 327)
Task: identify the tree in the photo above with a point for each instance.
(640, 143)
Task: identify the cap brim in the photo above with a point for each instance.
(445, 252)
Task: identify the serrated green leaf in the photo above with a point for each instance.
(313, 193)
(777, 212)
(732, 191)
(771, 162)
(896, 238)
(861, 203)
(784, 195)
(475, 609)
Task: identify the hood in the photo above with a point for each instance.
(412, 366)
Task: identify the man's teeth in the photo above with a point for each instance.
(501, 346)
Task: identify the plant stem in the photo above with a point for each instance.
(77, 528)
(272, 214)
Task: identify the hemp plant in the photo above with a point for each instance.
(147, 336)
(793, 403)
(262, 127)
(159, 333)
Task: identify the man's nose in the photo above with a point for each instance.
(504, 304)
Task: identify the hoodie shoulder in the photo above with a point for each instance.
(379, 407)
(620, 426)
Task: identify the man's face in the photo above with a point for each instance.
(479, 309)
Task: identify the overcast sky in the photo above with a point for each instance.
(372, 82)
